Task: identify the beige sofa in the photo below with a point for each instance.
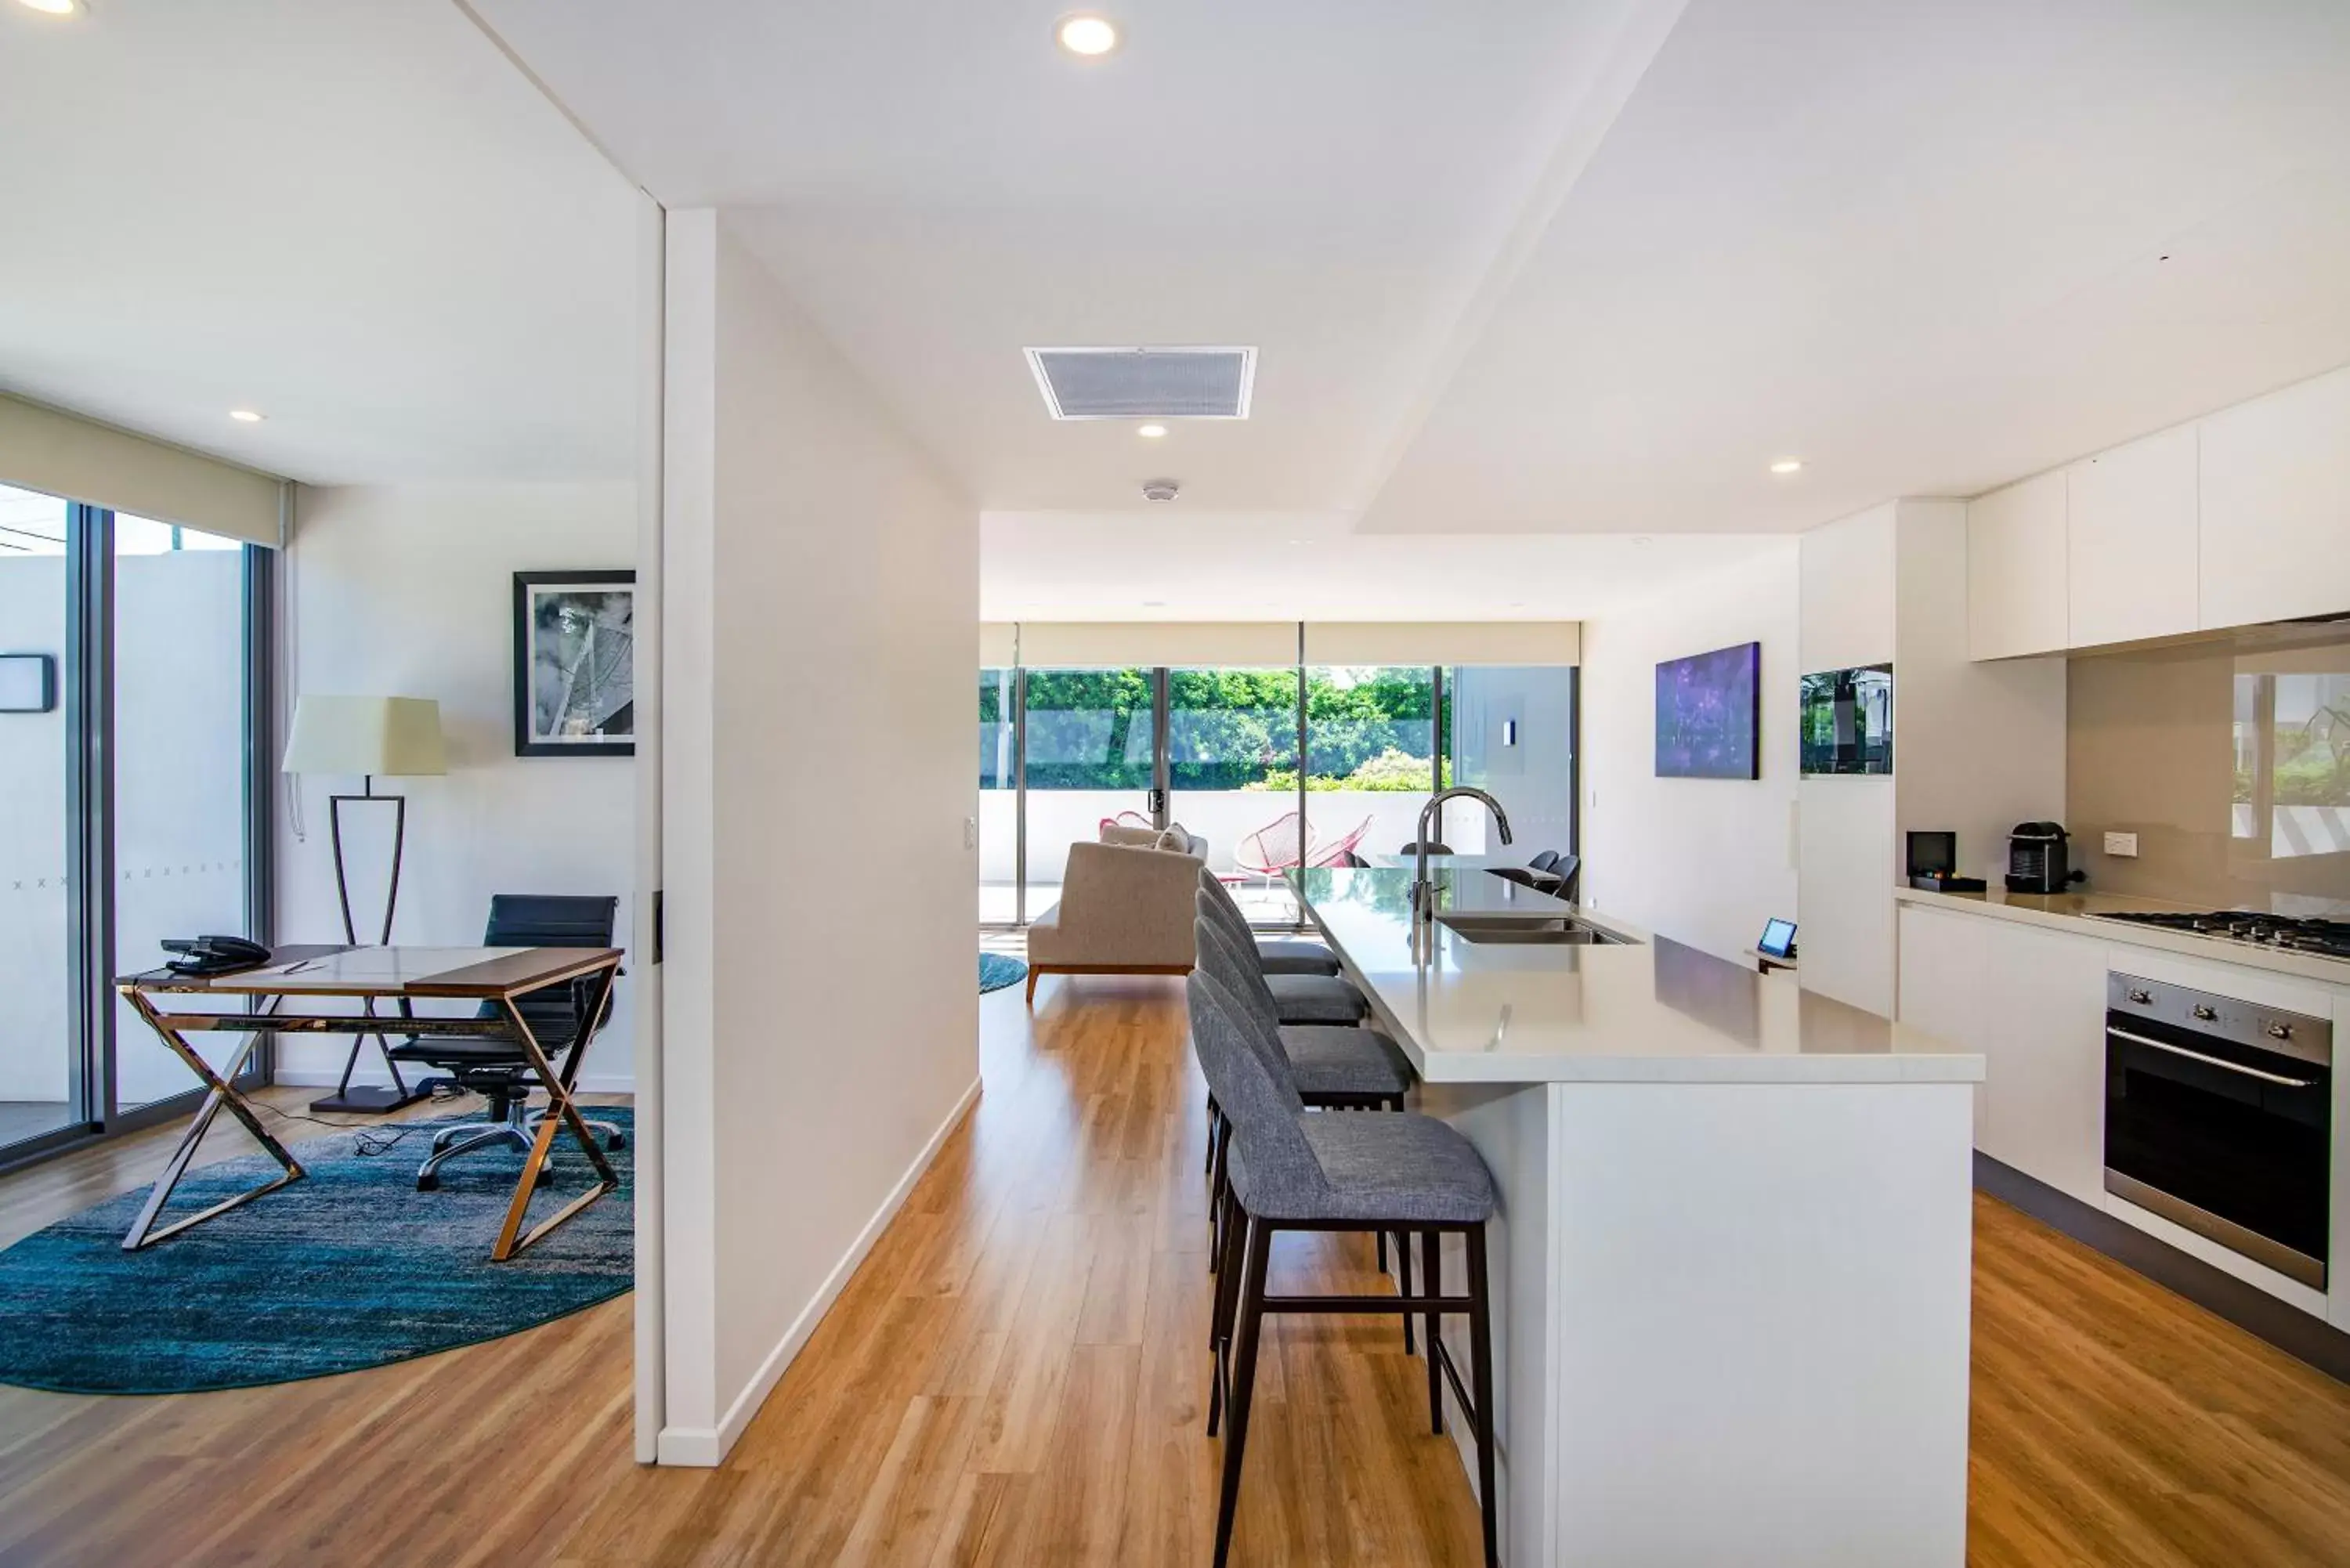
(1125, 908)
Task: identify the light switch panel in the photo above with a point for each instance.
(2121, 844)
(970, 833)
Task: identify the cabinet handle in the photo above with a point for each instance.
(2214, 1061)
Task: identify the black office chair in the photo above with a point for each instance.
(1433, 848)
(1543, 862)
(497, 1069)
(1567, 869)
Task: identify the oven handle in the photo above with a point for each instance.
(2209, 1061)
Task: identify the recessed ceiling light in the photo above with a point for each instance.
(244, 416)
(1788, 465)
(52, 7)
(1154, 604)
(1086, 35)
(1150, 432)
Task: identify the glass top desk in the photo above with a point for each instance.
(278, 998)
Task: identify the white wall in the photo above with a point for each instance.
(1845, 860)
(820, 1010)
(1704, 861)
(409, 591)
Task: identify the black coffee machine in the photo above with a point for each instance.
(2036, 859)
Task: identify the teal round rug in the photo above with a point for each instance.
(350, 1267)
(996, 971)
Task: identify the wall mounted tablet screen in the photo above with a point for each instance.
(1777, 937)
(28, 683)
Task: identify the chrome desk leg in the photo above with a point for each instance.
(222, 1093)
(560, 1111)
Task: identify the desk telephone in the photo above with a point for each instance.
(213, 955)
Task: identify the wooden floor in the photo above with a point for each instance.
(1017, 1375)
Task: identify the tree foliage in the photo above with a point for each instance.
(1227, 729)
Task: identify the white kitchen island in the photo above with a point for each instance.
(1733, 1262)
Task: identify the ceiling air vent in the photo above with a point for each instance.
(1144, 383)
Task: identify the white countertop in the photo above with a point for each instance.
(1646, 1011)
(2077, 912)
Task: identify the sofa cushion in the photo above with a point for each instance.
(1134, 837)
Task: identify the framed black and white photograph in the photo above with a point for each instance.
(574, 664)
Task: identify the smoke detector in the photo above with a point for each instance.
(1160, 489)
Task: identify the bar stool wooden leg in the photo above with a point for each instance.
(1432, 1265)
(1244, 1341)
(1219, 1189)
(1480, 1346)
(1403, 1281)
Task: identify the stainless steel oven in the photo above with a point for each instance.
(2219, 1116)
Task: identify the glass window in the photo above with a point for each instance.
(999, 826)
(1091, 758)
(179, 771)
(1231, 770)
(1370, 757)
(1514, 737)
(40, 1053)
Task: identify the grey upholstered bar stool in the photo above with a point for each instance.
(1324, 997)
(1337, 1067)
(1291, 1171)
(1275, 955)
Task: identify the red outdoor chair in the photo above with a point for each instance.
(1339, 853)
(1271, 849)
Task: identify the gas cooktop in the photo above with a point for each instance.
(2326, 939)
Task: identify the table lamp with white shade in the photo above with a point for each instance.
(372, 737)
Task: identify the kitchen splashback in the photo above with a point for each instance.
(2229, 760)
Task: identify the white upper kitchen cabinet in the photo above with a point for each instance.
(2130, 541)
(2016, 570)
(2275, 527)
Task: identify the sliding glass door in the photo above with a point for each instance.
(999, 797)
(40, 1064)
(180, 810)
(1089, 756)
(132, 694)
(1371, 751)
(1513, 736)
(1231, 776)
(1274, 767)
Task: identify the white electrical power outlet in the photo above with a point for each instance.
(2121, 844)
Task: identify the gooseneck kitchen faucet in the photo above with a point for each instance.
(1423, 892)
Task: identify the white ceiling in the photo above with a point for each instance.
(1914, 242)
(1171, 565)
(1523, 269)
(1918, 243)
(353, 216)
(942, 187)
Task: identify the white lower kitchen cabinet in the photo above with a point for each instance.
(2033, 1002)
